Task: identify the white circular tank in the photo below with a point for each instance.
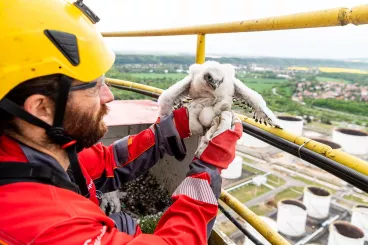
(317, 200)
(291, 124)
(291, 217)
(344, 233)
(352, 141)
(234, 170)
(359, 218)
(330, 143)
(271, 223)
(311, 134)
(252, 142)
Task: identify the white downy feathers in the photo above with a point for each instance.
(211, 88)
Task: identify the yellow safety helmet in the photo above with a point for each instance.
(44, 37)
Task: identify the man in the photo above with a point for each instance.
(52, 101)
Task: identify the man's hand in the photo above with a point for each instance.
(217, 146)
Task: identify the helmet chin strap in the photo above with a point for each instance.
(55, 132)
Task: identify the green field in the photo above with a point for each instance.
(248, 192)
(247, 160)
(262, 85)
(252, 170)
(175, 76)
(290, 193)
(263, 80)
(356, 199)
(310, 182)
(285, 91)
(261, 209)
(164, 80)
(258, 84)
(275, 181)
(331, 79)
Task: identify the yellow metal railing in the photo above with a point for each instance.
(323, 18)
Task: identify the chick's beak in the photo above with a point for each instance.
(212, 84)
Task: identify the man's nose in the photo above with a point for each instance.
(106, 95)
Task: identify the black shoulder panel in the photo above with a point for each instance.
(66, 43)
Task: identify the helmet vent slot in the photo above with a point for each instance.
(66, 43)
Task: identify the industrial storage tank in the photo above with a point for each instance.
(317, 200)
(330, 143)
(359, 218)
(252, 142)
(292, 125)
(352, 141)
(234, 170)
(291, 217)
(344, 233)
(271, 223)
(312, 134)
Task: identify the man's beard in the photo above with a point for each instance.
(84, 127)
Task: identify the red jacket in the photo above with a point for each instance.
(35, 213)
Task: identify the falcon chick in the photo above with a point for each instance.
(211, 88)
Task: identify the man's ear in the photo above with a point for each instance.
(40, 106)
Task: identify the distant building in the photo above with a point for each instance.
(284, 76)
(328, 95)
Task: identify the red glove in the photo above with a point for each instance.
(181, 121)
(217, 146)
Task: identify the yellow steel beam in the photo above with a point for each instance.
(336, 155)
(261, 226)
(201, 49)
(321, 18)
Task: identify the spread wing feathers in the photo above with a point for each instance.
(183, 101)
(253, 100)
(174, 95)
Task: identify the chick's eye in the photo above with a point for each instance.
(208, 77)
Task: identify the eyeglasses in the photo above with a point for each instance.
(101, 81)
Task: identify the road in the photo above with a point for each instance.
(289, 182)
(261, 153)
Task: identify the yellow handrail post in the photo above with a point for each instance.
(261, 226)
(201, 49)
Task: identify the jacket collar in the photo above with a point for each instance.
(12, 150)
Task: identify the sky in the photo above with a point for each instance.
(348, 42)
